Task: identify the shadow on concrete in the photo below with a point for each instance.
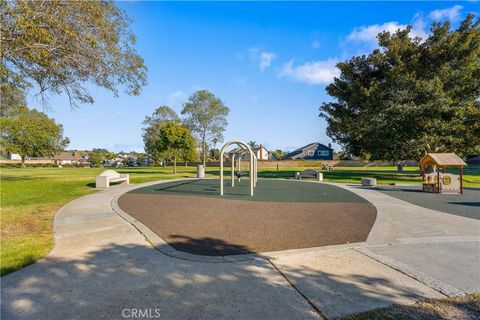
(391, 189)
(339, 295)
(105, 282)
(470, 204)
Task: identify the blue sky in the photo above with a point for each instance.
(269, 62)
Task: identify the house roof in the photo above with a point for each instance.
(239, 149)
(441, 159)
(299, 150)
(68, 155)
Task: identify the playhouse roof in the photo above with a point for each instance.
(441, 159)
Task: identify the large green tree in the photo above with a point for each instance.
(410, 96)
(95, 158)
(60, 46)
(206, 116)
(176, 141)
(31, 133)
(151, 130)
(11, 100)
(279, 154)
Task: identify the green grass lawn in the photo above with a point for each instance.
(384, 175)
(31, 196)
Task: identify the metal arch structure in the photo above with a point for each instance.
(239, 166)
(253, 169)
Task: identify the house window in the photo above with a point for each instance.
(310, 153)
(323, 153)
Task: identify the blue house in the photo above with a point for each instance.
(312, 151)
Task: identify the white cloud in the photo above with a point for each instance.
(266, 60)
(369, 33)
(360, 41)
(263, 58)
(452, 14)
(314, 72)
(174, 98)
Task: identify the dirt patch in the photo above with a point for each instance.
(218, 227)
(460, 308)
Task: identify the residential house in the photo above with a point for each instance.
(312, 151)
(69, 157)
(117, 161)
(259, 151)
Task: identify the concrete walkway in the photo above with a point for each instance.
(103, 267)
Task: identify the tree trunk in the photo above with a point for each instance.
(204, 150)
(23, 161)
(174, 165)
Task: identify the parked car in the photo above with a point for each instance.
(133, 164)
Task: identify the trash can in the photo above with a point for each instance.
(400, 167)
(200, 171)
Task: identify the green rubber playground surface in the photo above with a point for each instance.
(266, 190)
(191, 216)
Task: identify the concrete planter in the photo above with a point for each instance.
(369, 182)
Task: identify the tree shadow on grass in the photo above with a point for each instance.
(153, 172)
(23, 261)
(16, 178)
(93, 185)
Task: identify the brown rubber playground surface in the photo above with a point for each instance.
(214, 226)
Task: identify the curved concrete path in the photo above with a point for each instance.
(103, 267)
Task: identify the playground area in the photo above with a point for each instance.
(465, 205)
(191, 216)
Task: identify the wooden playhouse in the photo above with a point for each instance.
(434, 175)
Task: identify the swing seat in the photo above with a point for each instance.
(240, 174)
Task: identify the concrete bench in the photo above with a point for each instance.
(109, 176)
(309, 174)
(369, 182)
